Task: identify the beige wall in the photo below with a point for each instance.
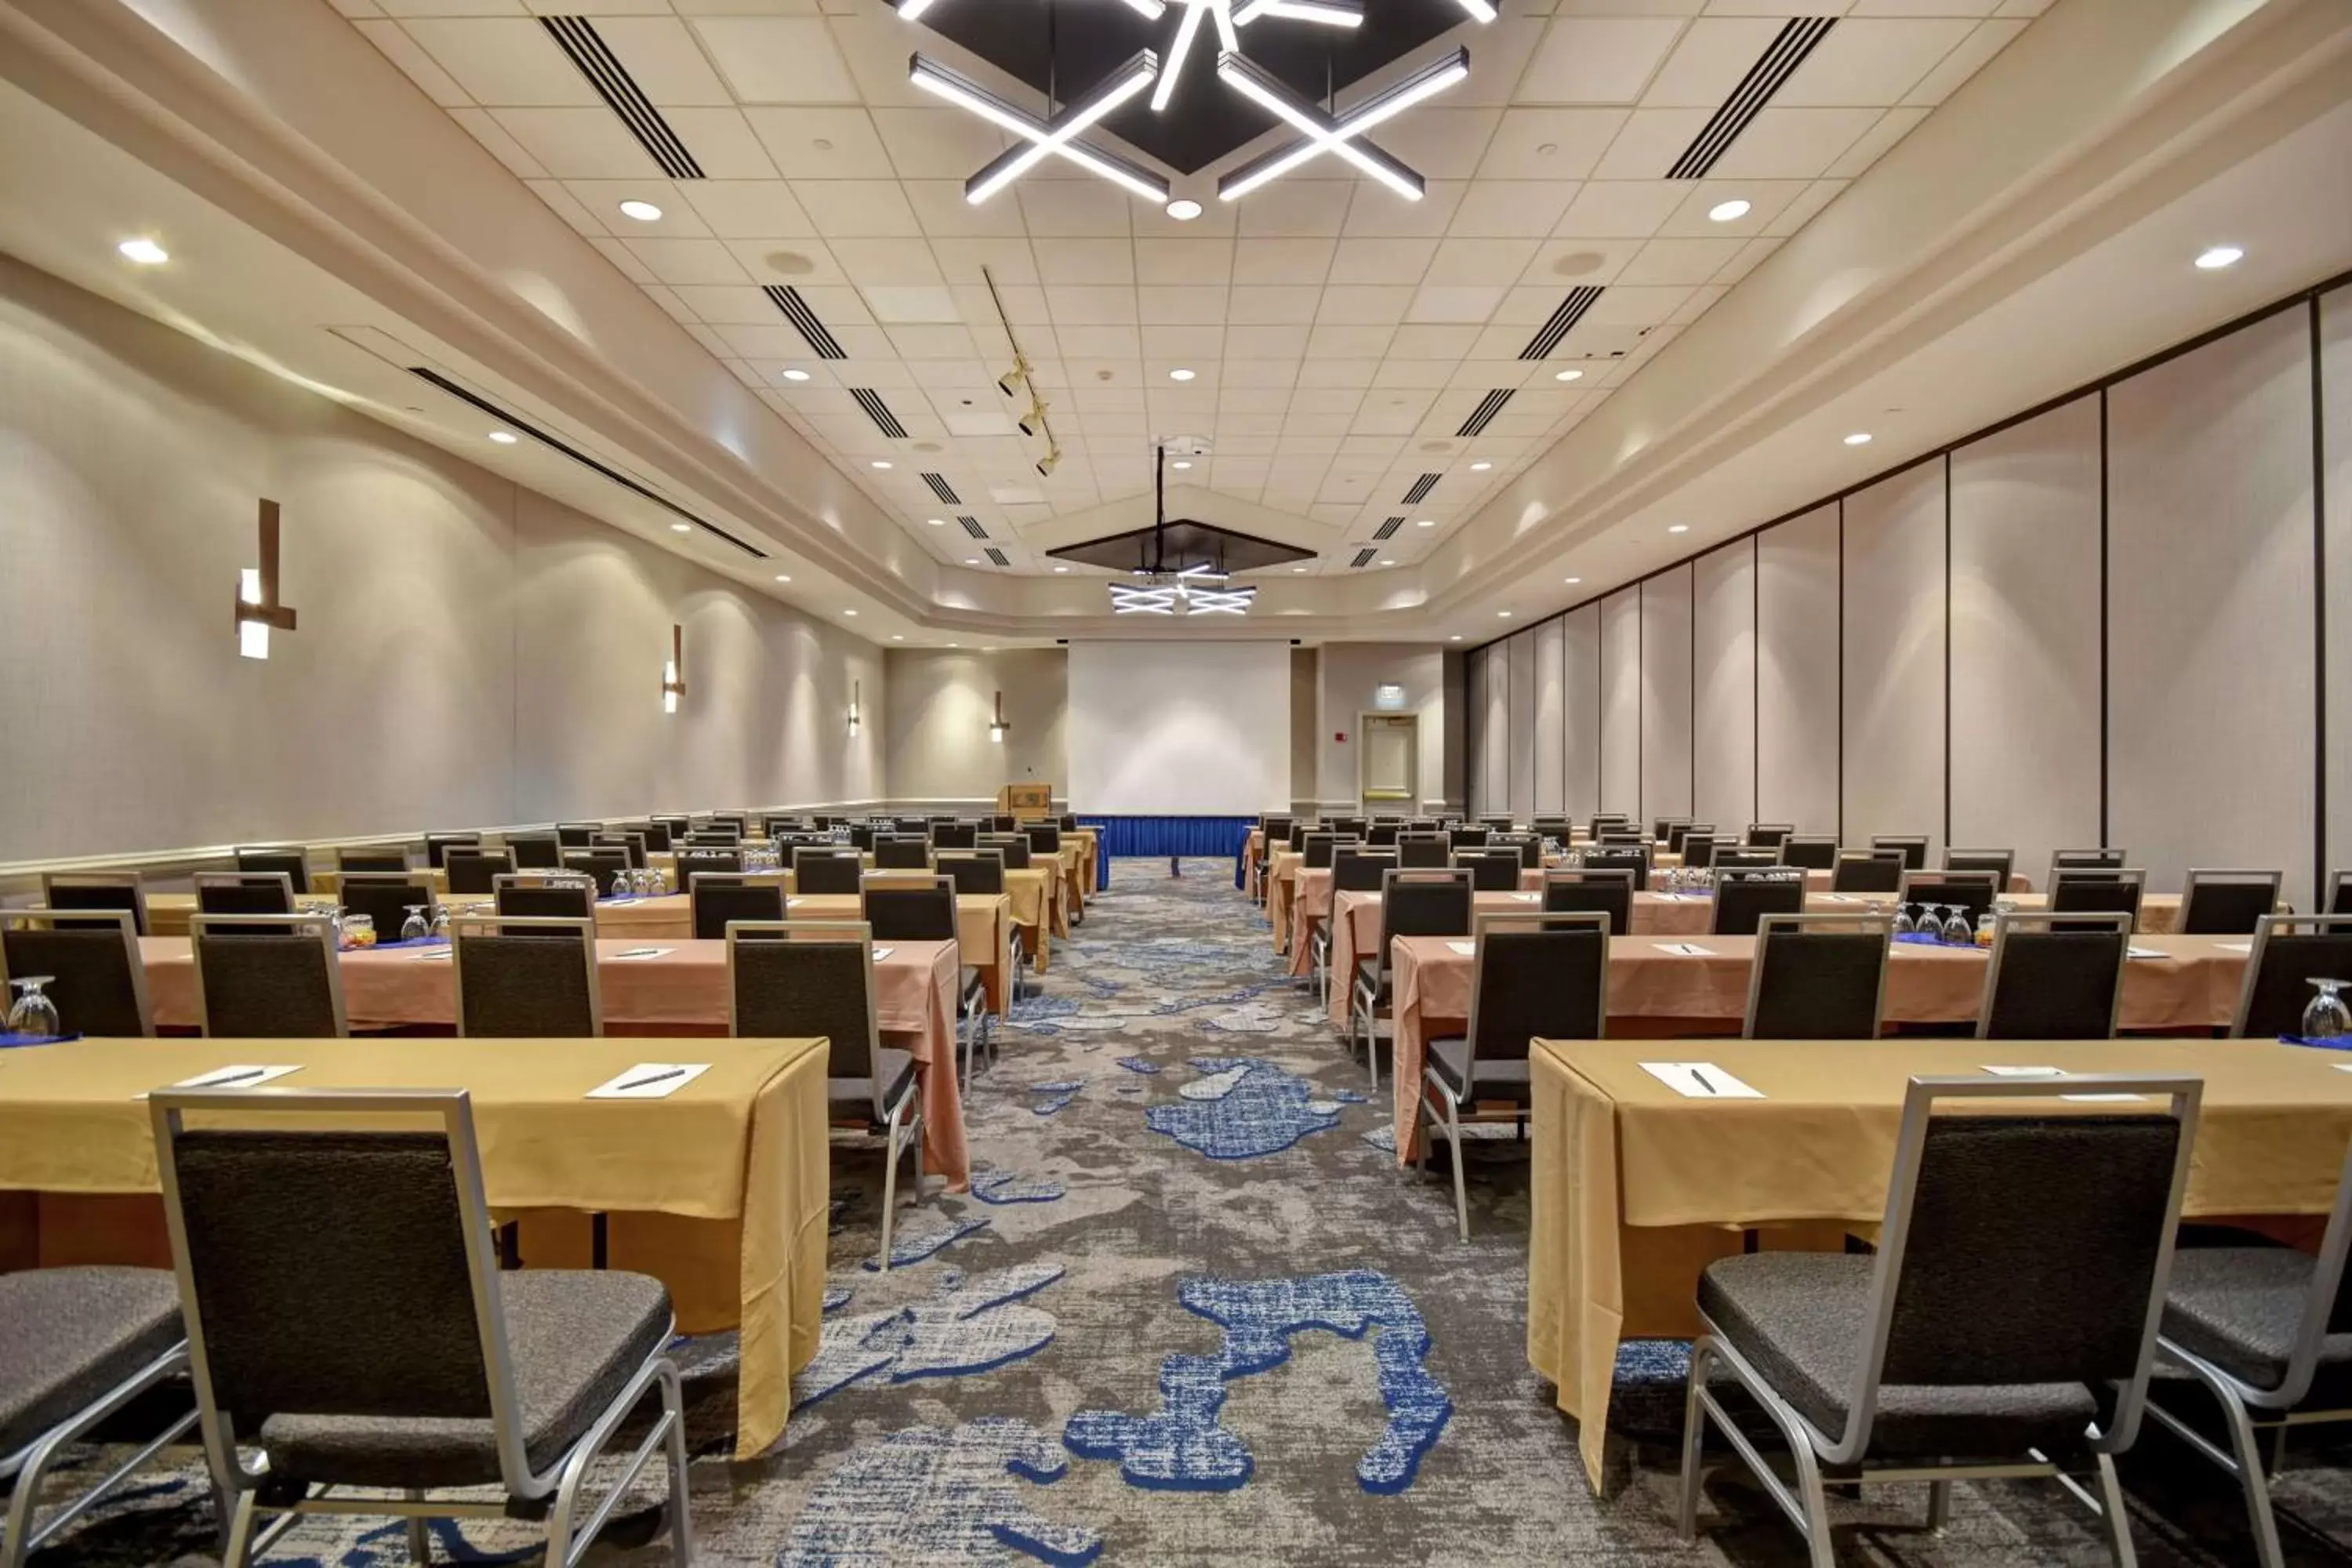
(939, 702)
(1349, 674)
(469, 653)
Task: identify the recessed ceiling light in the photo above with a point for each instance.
(1179, 465)
(1181, 375)
(797, 376)
(145, 252)
(1297, 570)
(1859, 438)
(1571, 582)
(1184, 209)
(1059, 571)
(937, 522)
(1425, 523)
(881, 463)
(681, 528)
(1455, 638)
(644, 212)
(2212, 260)
(896, 636)
(1679, 528)
(1388, 562)
(1725, 212)
(1502, 615)
(849, 612)
(1569, 375)
(971, 560)
(1480, 468)
(783, 577)
(503, 438)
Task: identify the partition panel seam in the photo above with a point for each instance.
(2319, 601)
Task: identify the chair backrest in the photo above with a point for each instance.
(955, 836)
(244, 893)
(1491, 870)
(474, 871)
(2227, 903)
(1277, 828)
(291, 859)
(1744, 895)
(1423, 849)
(1914, 847)
(326, 1272)
(1604, 891)
(2084, 860)
(2104, 891)
(1866, 872)
(1001, 822)
(1770, 835)
(1011, 847)
(1814, 851)
(1817, 978)
(803, 980)
(1624, 858)
(536, 895)
(911, 909)
(1698, 849)
(1536, 976)
(438, 845)
(665, 831)
(1972, 891)
(1360, 871)
(1661, 828)
(1558, 829)
(2339, 895)
(1318, 851)
(899, 853)
(827, 871)
(1743, 858)
(385, 896)
(2290, 952)
(975, 871)
(1469, 838)
(1679, 830)
(1046, 840)
(1602, 821)
(632, 845)
(1421, 902)
(1296, 842)
(2054, 976)
(525, 978)
(1345, 827)
(1527, 847)
(611, 867)
(861, 837)
(376, 858)
(266, 977)
(1980, 1281)
(715, 898)
(577, 835)
(96, 978)
(535, 851)
(691, 858)
(1384, 835)
(2001, 863)
(99, 891)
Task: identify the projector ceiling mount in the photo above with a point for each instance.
(1161, 584)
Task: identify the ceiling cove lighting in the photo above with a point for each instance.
(674, 672)
(257, 609)
(1043, 139)
(1341, 135)
(143, 251)
(2212, 260)
(644, 212)
(1728, 211)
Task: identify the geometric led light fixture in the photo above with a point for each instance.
(1056, 138)
(674, 672)
(1341, 136)
(257, 609)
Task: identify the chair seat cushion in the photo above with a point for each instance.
(1800, 1318)
(2241, 1307)
(577, 1337)
(69, 1335)
(895, 1068)
(1373, 974)
(1450, 1059)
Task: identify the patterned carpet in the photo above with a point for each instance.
(1192, 1314)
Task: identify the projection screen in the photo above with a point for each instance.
(1180, 729)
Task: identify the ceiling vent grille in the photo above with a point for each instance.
(941, 489)
(1421, 488)
(1572, 310)
(971, 526)
(1387, 530)
(788, 299)
(879, 412)
(1483, 415)
(1365, 557)
(999, 556)
(1770, 72)
(577, 37)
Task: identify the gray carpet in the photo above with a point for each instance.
(1192, 1314)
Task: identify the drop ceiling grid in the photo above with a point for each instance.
(1339, 337)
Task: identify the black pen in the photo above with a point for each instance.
(232, 1078)
(653, 1078)
(1700, 1078)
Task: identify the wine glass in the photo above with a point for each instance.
(32, 1012)
(441, 921)
(415, 928)
(2326, 1018)
(1903, 924)
(1956, 929)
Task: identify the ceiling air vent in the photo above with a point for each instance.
(577, 37)
(879, 412)
(788, 299)
(1770, 72)
(1421, 488)
(971, 526)
(1365, 557)
(941, 489)
(999, 556)
(1483, 415)
(1572, 310)
(1387, 530)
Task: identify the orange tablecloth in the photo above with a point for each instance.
(1282, 884)
(681, 992)
(1356, 934)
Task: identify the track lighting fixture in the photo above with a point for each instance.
(1032, 423)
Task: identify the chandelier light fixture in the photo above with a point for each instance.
(1155, 588)
(1342, 135)
(1042, 139)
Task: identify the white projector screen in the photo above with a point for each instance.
(1180, 729)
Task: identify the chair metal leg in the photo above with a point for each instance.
(2243, 1458)
(1817, 1507)
(681, 1516)
(420, 1533)
(1694, 1436)
(1940, 1504)
(889, 1183)
(236, 1551)
(1453, 1142)
(2112, 1514)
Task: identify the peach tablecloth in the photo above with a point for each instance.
(1635, 1188)
(721, 1190)
(1282, 883)
(2194, 986)
(1356, 934)
(681, 992)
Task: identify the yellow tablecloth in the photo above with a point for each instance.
(1634, 1185)
(721, 1189)
(1282, 885)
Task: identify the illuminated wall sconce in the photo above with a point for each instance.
(257, 609)
(674, 672)
(856, 690)
(998, 725)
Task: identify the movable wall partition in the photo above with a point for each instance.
(2124, 618)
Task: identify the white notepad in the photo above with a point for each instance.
(639, 954)
(2235, 946)
(436, 955)
(1527, 898)
(2103, 1096)
(244, 1075)
(1465, 948)
(2143, 953)
(1701, 1080)
(649, 1080)
(2024, 1071)
(882, 953)
(1685, 949)
(2341, 1066)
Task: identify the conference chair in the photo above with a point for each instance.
(1607, 891)
(1011, 847)
(1744, 895)
(438, 845)
(902, 853)
(2227, 903)
(1345, 826)
(290, 860)
(1866, 872)
(610, 868)
(2054, 976)
(349, 1327)
(2265, 1328)
(861, 837)
(980, 873)
(1003, 823)
(717, 899)
(1677, 833)
(1770, 835)
(1467, 837)
(1741, 857)
(542, 895)
(631, 845)
(1423, 850)
(1914, 847)
(1046, 838)
(246, 893)
(386, 898)
(690, 859)
(1320, 847)
(2116, 891)
(817, 982)
(105, 892)
(577, 835)
(828, 871)
(2339, 894)
(955, 835)
(2001, 863)
(1353, 870)
(96, 977)
(2084, 860)
(774, 825)
(1972, 892)
(1536, 976)
(1625, 836)
(1384, 835)
(1810, 851)
(1559, 829)
(84, 1342)
(473, 870)
(375, 859)
(1529, 847)
(535, 851)
(1698, 849)
(1661, 828)
(1601, 822)
(266, 977)
(1993, 1334)
(923, 909)
(526, 977)
(1491, 870)
(911, 827)
(1631, 858)
(1817, 978)
(2289, 953)
(677, 827)
(1414, 902)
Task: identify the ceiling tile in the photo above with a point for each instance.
(679, 261)
(746, 209)
(504, 62)
(857, 209)
(1302, 207)
(1184, 261)
(1972, 54)
(1680, 261)
(778, 59)
(1651, 142)
(1551, 143)
(601, 200)
(577, 144)
(821, 144)
(1282, 261)
(1195, 305)
(663, 57)
(1877, 142)
(1620, 209)
(721, 142)
(1793, 144)
(422, 68)
(1376, 212)
(1710, 60)
(1513, 207)
(1081, 207)
(1597, 59)
(1382, 260)
(1870, 62)
(1095, 261)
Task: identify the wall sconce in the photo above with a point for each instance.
(257, 609)
(997, 726)
(856, 690)
(674, 672)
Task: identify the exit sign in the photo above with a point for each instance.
(1388, 697)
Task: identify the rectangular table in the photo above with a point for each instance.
(722, 1189)
(1635, 1188)
(2194, 986)
(682, 992)
(1282, 880)
(1356, 934)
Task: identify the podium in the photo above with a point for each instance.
(1029, 802)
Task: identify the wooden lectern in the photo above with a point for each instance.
(1029, 802)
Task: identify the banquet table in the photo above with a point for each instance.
(2193, 986)
(1282, 882)
(1635, 1188)
(721, 1189)
(681, 990)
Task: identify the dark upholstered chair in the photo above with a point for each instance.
(2339, 894)
(261, 977)
(1993, 1333)
(1424, 851)
(2085, 860)
(912, 907)
(535, 851)
(76, 1346)
(377, 860)
(902, 853)
(1741, 857)
(438, 845)
(2227, 903)
(1744, 895)
(828, 871)
(1607, 891)
(610, 866)
(1971, 892)
(2001, 863)
(1013, 847)
(1491, 870)
(818, 982)
(291, 859)
(955, 836)
(2054, 977)
(1817, 978)
(1414, 902)
(2290, 952)
(544, 896)
(975, 871)
(521, 977)
(1866, 872)
(244, 892)
(348, 1326)
(1536, 976)
(1913, 846)
(2117, 890)
(101, 890)
(96, 976)
(386, 898)
(1814, 851)
(717, 898)
(1045, 837)
(475, 872)
(577, 835)
(1769, 835)
(1633, 858)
